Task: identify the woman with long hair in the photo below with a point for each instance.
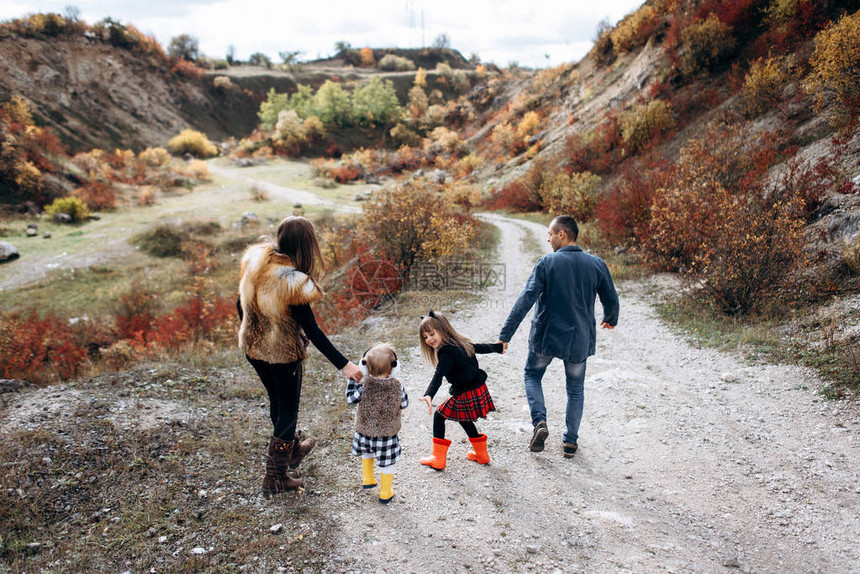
(277, 285)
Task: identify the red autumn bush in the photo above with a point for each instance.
(515, 196)
(98, 195)
(739, 236)
(624, 214)
(38, 349)
(598, 152)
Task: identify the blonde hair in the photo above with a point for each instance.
(437, 322)
(379, 359)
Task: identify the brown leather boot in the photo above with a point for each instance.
(301, 448)
(278, 459)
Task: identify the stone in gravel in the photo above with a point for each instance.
(198, 550)
(32, 232)
(47, 235)
(276, 528)
(532, 549)
(730, 378)
(731, 562)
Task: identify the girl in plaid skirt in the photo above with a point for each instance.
(380, 399)
(454, 358)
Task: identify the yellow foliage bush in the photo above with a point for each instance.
(642, 123)
(392, 63)
(704, 44)
(290, 131)
(198, 170)
(19, 110)
(404, 136)
(154, 156)
(503, 137)
(417, 103)
(576, 195)
(411, 222)
(314, 128)
(73, 206)
(28, 178)
(763, 85)
(836, 65)
(528, 126)
(780, 12)
(627, 35)
(420, 79)
(194, 143)
(223, 83)
(468, 164)
(447, 139)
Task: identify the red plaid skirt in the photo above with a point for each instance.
(468, 406)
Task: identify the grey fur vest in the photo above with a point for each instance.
(378, 412)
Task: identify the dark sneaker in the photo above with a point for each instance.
(538, 437)
(569, 449)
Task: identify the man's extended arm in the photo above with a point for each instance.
(530, 293)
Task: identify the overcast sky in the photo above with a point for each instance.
(533, 33)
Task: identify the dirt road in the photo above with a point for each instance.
(690, 460)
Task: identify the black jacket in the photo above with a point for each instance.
(460, 369)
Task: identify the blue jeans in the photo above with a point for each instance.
(574, 374)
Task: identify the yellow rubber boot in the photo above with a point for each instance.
(440, 452)
(367, 478)
(386, 493)
(479, 454)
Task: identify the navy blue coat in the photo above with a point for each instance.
(565, 285)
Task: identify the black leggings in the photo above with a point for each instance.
(439, 427)
(283, 382)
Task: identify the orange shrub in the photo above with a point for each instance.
(97, 194)
(410, 222)
(366, 58)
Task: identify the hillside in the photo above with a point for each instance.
(94, 95)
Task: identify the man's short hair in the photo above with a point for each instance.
(567, 224)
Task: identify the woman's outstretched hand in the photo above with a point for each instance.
(429, 400)
(352, 372)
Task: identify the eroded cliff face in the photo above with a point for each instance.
(95, 95)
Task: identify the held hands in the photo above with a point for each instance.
(504, 346)
(605, 325)
(352, 372)
(429, 400)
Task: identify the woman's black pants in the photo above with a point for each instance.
(283, 382)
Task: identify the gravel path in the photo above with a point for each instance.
(690, 460)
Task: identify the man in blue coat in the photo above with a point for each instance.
(564, 284)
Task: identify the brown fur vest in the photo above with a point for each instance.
(268, 286)
(379, 409)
